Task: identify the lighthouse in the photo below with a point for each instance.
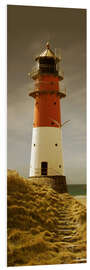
(46, 150)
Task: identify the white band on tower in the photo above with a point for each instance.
(46, 152)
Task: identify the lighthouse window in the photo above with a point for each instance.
(59, 166)
(34, 144)
(54, 103)
(56, 144)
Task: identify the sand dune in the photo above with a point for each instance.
(44, 226)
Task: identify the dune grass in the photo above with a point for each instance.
(44, 227)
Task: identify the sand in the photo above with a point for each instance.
(82, 199)
(44, 226)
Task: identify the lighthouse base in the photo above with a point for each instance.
(57, 182)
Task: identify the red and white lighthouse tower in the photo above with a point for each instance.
(46, 151)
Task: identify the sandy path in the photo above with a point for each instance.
(81, 199)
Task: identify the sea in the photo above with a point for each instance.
(77, 190)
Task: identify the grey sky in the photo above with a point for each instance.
(29, 28)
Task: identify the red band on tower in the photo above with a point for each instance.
(47, 102)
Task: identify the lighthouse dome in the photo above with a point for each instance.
(48, 53)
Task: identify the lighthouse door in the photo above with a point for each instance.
(44, 166)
